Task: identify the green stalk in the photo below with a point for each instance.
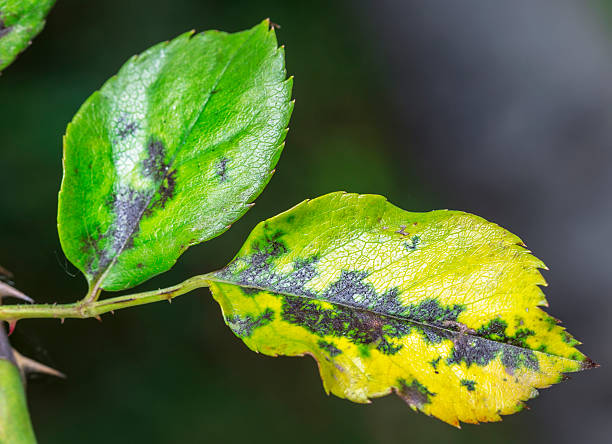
(15, 424)
(88, 308)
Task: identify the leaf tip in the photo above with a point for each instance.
(588, 364)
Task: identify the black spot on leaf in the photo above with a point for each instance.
(127, 206)
(415, 393)
(496, 330)
(361, 313)
(4, 30)
(89, 243)
(430, 311)
(413, 244)
(387, 347)
(469, 384)
(358, 326)
(474, 350)
(567, 338)
(257, 271)
(126, 128)
(244, 326)
(329, 348)
(350, 290)
(221, 169)
(167, 188)
(434, 363)
(154, 165)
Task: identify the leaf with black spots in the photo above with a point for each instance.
(441, 308)
(20, 22)
(170, 152)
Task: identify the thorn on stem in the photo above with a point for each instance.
(7, 290)
(12, 324)
(28, 365)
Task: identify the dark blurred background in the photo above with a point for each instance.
(503, 109)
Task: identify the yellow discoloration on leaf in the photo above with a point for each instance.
(439, 307)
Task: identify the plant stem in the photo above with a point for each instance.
(15, 424)
(94, 308)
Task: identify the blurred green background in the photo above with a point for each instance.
(175, 373)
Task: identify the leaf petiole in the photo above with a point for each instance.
(93, 309)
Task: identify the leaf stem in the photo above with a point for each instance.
(94, 308)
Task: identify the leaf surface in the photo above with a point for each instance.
(20, 22)
(441, 308)
(171, 151)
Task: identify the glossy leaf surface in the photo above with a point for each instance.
(441, 308)
(20, 22)
(171, 151)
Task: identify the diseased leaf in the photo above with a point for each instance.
(20, 22)
(171, 151)
(441, 308)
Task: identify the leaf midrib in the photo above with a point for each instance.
(213, 278)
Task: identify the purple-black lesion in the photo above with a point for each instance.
(413, 244)
(243, 326)
(221, 169)
(469, 384)
(127, 128)
(475, 350)
(167, 188)
(415, 394)
(361, 327)
(329, 347)
(154, 165)
(496, 331)
(434, 363)
(4, 30)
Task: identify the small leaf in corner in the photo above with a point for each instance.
(20, 22)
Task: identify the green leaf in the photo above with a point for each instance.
(441, 308)
(20, 22)
(170, 152)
